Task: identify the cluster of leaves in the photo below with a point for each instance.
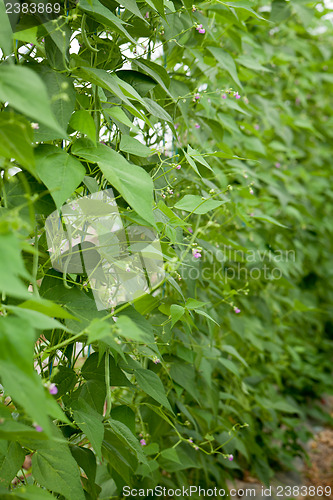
(211, 123)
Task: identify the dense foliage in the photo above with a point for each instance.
(214, 372)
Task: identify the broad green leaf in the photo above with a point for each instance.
(132, 182)
(94, 369)
(230, 366)
(267, 218)
(46, 307)
(156, 110)
(28, 492)
(203, 313)
(194, 303)
(246, 5)
(176, 312)
(62, 95)
(125, 415)
(86, 459)
(65, 379)
(131, 5)
(131, 331)
(37, 319)
(130, 145)
(98, 11)
(6, 34)
(151, 384)
(194, 204)
(11, 460)
(25, 91)
(90, 423)
(60, 172)
(156, 71)
(251, 63)
(19, 379)
(84, 122)
(126, 436)
(12, 268)
(231, 350)
(226, 62)
(16, 140)
(54, 467)
(118, 114)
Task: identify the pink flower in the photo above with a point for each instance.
(38, 428)
(190, 440)
(146, 15)
(200, 29)
(35, 126)
(256, 127)
(53, 389)
(251, 191)
(178, 167)
(143, 442)
(236, 95)
(224, 96)
(176, 125)
(237, 310)
(251, 214)
(197, 125)
(231, 457)
(196, 254)
(277, 164)
(156, 361)
(190, 230)
(196, 448)
(196, 96)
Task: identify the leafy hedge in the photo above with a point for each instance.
(214, 372)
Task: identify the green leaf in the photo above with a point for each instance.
(6, 34)
(84, 122)
(62, 96)
(46, 307)
(226, 62)
(194, 204)
(251, 63)
(118, 114)
(54, 467)
(151, 384)
(156, 71)
(24, 90)
(131, 5)
(125, 415)
(86, 460)
(60, 172)
(29, 492)
(267, 218)
(134, 147)
(156, 110)
(98, 11)
(65, 379)
(94, 369)
(19, 379)
(12, 267)
(125, 435)
(132, 182)
(16, 140)
(11, 460)
(37, 319)
(90, 423)
(176, 312)
(132, 331)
